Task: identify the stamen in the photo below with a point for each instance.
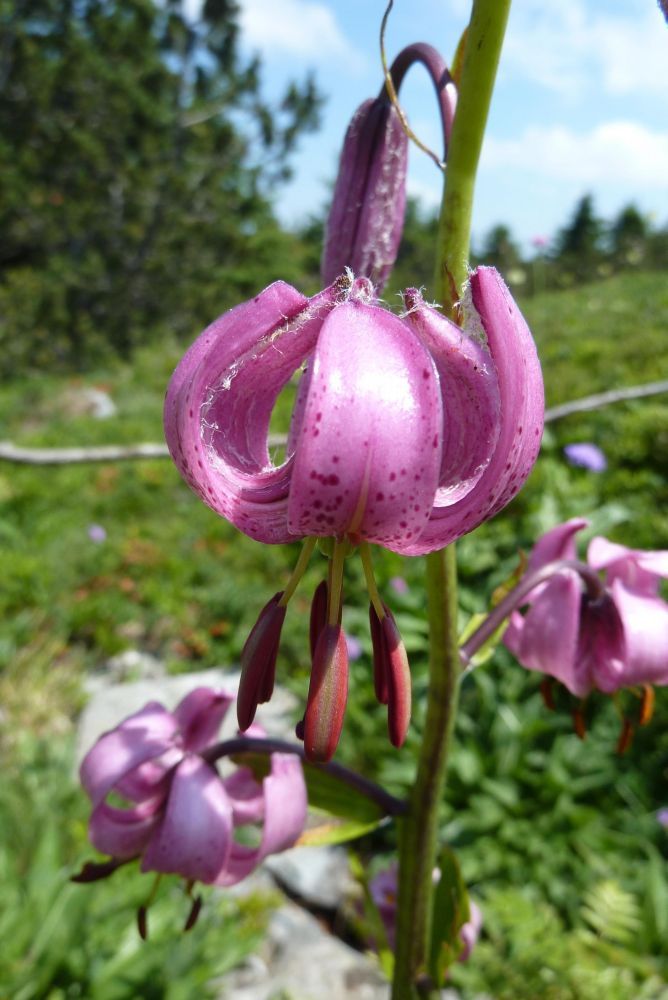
(367, 565)
(646, 705)
(194, 914)
(299, 570)
(625, 736)
(142, 912)
(579, 723)
(335, 588)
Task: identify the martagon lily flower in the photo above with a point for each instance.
(615, 639)
(181, 815)
(407, 432)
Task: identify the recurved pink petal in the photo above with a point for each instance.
(494, 315)
(220, 400)
(246, 796)
(470, 395)
(368, 458)
(142, 737)
(285, 804)
(200, 715)
(123, 833)
(645, 621)
(548, 640)
(194, 836)
(639, 571)
(558, 543)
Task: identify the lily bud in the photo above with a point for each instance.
(367, 214)
(327, 695)
(318, 618)
(258, 661)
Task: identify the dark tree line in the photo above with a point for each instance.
(137, 164)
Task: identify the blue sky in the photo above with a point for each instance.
(581, 102)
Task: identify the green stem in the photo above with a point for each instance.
(418, 832)
(481, 58)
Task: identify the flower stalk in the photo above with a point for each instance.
(418, 834)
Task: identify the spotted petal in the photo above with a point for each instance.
(369, 452)
(195, 834)
(494, 315)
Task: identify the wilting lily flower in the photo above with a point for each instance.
(616, 640)
(406, 432)
(181, 815)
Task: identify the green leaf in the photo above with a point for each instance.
(451, 911)
(331, 829)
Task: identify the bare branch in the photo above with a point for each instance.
(116, 453)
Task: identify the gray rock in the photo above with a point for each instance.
(111, 702)
(302, 961)
(320, 876)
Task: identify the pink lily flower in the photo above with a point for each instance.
(618, 640)
(406, 432)
(181, 815)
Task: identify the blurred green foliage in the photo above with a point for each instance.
(138, 161)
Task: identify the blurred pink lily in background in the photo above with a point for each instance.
(383, 889)
(181, 814)
(617, 640)
(407, 431)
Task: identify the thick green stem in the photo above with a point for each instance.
(419, 830)
(481, 58)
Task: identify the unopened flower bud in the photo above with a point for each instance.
(367, 214)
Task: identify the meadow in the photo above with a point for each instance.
(558, 839)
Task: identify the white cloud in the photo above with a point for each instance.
(616, 152)
(299, 28)
(563, 46)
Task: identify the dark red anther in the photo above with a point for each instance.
(142, 923)
(299, 730)
(398, 681)
(318, 615)
(258, 661)
(391, 674)
(579, 723)
(93, 871)
(646, 705)
(625, 737)
(194, 914)
(547, 693)
(379, 657)
(327, 695)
